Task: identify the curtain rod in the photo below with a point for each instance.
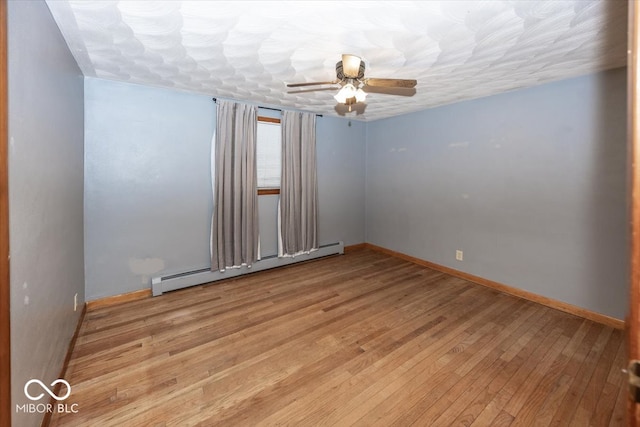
(268, 108)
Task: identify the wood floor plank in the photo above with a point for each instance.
(440, 347)
(396, 403)
(552, 381)
(442, 411)
(521, 356)
(361, 339)
(616, 380)
(486, 394)
(582, 376)
(382, 357)
(596, 385)
(416, 327)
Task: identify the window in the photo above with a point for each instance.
(268, 153)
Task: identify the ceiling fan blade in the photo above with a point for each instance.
(313, 90)
(351, 65)
(399, 91)
(311, 84)
(392, 83)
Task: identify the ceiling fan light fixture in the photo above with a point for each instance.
(348, 91)
(361, 95)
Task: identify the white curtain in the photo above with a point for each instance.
(298, 209)
(234, 225)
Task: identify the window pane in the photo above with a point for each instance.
(268, 152)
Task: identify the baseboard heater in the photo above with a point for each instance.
(177, 281)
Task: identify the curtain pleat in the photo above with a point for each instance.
(234, 236)
(298, 211)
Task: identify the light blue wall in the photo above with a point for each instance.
(341, 153)
(45, 198)
(148, 185)
(531, 185)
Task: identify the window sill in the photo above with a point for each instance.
(268, 191)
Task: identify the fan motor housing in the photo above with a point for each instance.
(340, 73)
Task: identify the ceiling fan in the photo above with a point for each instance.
(353, 85)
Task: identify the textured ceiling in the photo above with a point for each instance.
(249, 51)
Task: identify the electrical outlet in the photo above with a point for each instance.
(459, 255)
(75, 302)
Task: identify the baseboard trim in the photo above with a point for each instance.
(530, 296)
(119, 299)
(46, 420)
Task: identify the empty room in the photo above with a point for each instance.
(319, 213)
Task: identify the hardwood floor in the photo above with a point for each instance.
(360, 339)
